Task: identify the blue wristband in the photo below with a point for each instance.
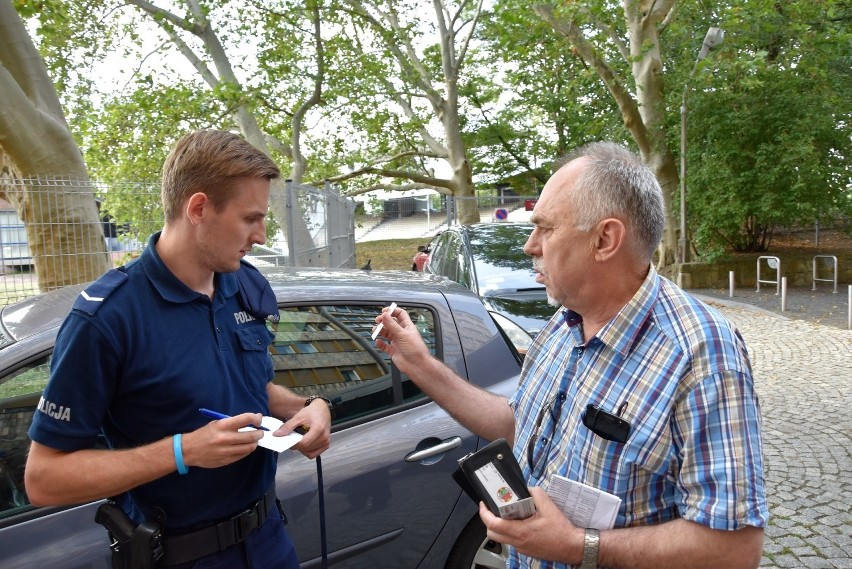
(178, 448)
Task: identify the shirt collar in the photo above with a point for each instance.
(169, 286)
(622, 330)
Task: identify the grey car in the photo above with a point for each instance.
(489, 259)
(390, 500)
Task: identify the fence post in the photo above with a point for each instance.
(291, 206)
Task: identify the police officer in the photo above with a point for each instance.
(144, 347)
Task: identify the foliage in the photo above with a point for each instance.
(769, 112)
(769, 143)
(541, 102)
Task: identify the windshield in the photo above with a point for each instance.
(499, 258)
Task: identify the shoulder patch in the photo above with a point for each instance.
(93, 296)
(256, 295)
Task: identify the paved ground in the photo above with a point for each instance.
(802, 364)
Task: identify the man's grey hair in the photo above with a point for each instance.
(615, 183)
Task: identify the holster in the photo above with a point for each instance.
(133, 546)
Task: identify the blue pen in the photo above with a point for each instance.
(218, 415)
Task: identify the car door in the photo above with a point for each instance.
(56, 537)
(380, 509)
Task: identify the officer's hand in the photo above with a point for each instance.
(314, 422)
(221, 442)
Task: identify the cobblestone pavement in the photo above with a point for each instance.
(803, 376)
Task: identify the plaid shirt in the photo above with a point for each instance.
(694, 449)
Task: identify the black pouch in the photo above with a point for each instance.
(492, 475)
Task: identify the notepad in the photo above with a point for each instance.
(270, 441)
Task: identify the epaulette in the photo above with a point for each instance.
(256, 295)
(93, 296)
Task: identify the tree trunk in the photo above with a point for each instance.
(56, 203)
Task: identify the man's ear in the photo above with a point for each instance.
(195, 206)
(610, 238)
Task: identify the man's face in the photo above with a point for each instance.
(561, 254)
(228, 235)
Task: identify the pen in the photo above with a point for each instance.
(218, 415)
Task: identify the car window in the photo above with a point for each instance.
(327, 350)
(465, 272)
(452, 250)
(19, 395)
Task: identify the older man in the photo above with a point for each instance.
(628, 343)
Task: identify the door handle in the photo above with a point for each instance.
(433, 449)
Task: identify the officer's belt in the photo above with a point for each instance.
(219, 537)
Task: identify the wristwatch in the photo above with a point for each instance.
(591, 542)
(328, 402)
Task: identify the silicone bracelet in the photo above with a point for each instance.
(178, 448)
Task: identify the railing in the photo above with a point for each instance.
(833, 261)
(772, 263)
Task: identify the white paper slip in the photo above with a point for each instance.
(585, 506)
(272, 442)
(381, 325)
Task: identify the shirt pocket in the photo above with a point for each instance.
(254, 352)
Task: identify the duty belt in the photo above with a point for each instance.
(218, 537)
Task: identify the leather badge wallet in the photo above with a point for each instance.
(492, 475)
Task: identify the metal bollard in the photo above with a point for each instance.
(783, 294)
(849, 305)
(731, 284)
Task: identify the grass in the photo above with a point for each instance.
(391, 254)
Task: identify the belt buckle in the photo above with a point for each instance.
(244, 524)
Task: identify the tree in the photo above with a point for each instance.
(773, 138)
(55, 200)
(539, 101)
(630, 64)
(411, 85)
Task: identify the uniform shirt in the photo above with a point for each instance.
(694, 449)
(138, 355)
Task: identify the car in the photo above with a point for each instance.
(390, 500)
(489, 259)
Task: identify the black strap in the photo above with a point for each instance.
(186, 547)
(323, 541)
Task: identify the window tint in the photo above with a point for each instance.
(19, 395)
(327, 350)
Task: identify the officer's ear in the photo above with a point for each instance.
(195, 206)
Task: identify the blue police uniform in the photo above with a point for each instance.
(138, 355)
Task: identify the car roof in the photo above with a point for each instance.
(37, 313)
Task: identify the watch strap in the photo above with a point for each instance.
(591, 544)
(328, 402)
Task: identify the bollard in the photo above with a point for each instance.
(731, 284)
(849, 305)
(783, 294)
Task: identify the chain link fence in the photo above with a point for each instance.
(56, 231)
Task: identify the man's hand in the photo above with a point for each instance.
(400, 339)
(547, 534)
(314, 422)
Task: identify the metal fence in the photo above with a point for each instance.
(52, 247)
(44, 243)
